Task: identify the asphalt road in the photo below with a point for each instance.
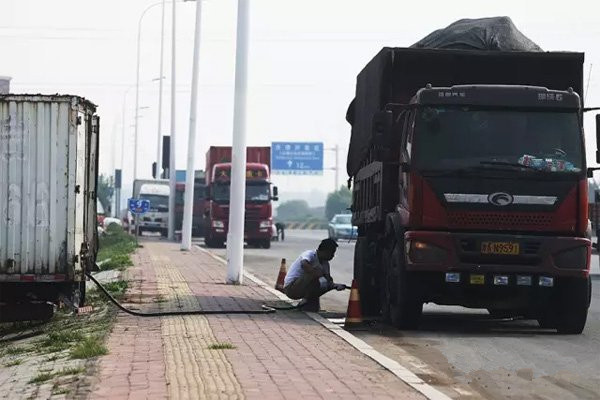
(463, 352)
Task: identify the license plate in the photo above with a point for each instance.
(510, 248)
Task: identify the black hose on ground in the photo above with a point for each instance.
(265, 309)
(300, 303)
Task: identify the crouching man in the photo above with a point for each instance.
(309, 276)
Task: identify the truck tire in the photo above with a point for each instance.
(403, 303)
(370, 302)
(265, 243)
(572, 303)
(210, 242)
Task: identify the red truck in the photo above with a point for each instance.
(198, 210)
(259, 196)
(470, 184)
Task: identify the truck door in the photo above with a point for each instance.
(406, 122)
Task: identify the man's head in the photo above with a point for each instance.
(326, 249)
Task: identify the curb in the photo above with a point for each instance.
(393, 366)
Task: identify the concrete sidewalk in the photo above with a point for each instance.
(277, 356)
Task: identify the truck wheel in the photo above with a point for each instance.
(210, 243)
(572, 303)
(266, 243)
(370, 302)
(404, 303)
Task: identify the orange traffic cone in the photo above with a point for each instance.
(354, 313)
(281, 276)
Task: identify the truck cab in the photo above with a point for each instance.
(157, 218)
(259, 196)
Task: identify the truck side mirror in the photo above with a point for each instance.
(275, 194)
(382, 127)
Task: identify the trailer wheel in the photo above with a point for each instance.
(403, 299)
(572, 303)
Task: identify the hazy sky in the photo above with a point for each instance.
(303, 60)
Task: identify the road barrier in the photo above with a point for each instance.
(306, 225)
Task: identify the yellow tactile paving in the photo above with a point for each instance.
(193, 370)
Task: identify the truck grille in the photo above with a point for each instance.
(252, 214)
(499, 220)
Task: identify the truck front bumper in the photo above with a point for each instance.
(465, 269)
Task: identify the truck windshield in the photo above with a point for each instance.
(448, 138)
(157, 203)
(254, 192)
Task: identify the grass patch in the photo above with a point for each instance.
(69, 371)
(115, 246)
(15, 350)
(13, 363)
(59, 391)
(221, 346)
(41, 377)
(118, 261)
(116, 289)
(46, 375)
(59, 340)
(90, 347)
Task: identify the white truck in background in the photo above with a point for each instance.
(156, 191)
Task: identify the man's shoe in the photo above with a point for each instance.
(309, 305)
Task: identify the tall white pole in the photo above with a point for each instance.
(172, 178)
(188, 207)
(235, 235)
(337, 184)
(160, 91)
(137, 99)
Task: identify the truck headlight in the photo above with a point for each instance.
(575, 258)
(218, 224)
(264, 224)
(425, 253)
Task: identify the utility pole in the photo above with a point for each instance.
(160, 91)
(335, 169)
(172, 181)
(235, 235)
(188, 205)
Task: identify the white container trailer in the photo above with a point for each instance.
(48, 182)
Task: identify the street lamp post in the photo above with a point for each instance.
(235, 235)
(336, 150)
(188, 207)
(160, 91)
(137, 80)
(172, 178)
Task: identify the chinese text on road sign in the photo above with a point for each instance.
(297, 158)
(137, 206)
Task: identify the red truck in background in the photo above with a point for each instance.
(259, 196)
(199, 204)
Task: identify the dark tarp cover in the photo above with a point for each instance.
(498, 33)
(488, 50)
